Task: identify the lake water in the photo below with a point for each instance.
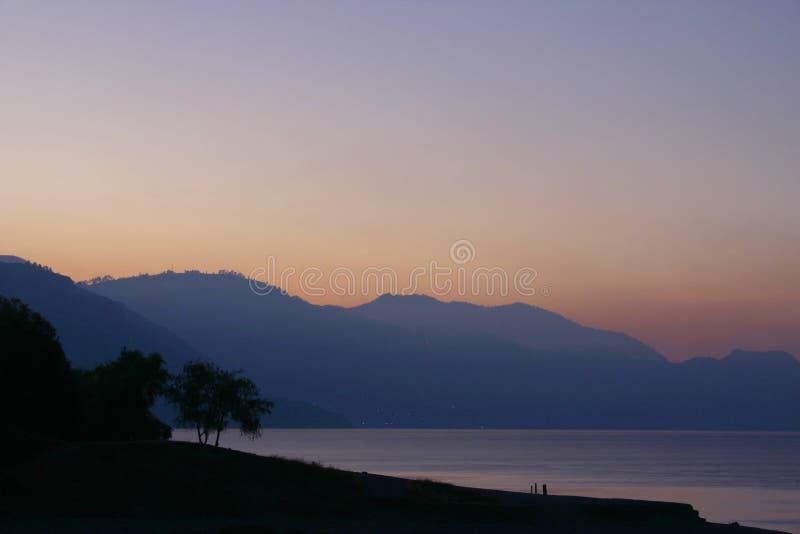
(749, 477)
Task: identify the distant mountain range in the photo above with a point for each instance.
(93, 329)
(524, 325)
(414, 361)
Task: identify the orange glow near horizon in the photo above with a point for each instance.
(669, 318)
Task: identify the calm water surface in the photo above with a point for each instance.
(749, 477)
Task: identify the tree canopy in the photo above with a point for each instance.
(38, 389)
(44, 398)
(118, 396)
(209, 398)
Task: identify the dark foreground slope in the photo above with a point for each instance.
(170, 486)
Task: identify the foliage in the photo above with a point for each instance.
(229, 272)
(44, 397)
(97, 280)
(118, 397)
(210, 398)
(38, 389)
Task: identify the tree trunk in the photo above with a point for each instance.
(220, 428)
(199, 435)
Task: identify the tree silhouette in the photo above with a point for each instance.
(209, 398)
(118, 396)
(38, 389)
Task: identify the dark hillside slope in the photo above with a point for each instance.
(92, 328)
(527, 326)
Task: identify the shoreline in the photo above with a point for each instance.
(178, 486)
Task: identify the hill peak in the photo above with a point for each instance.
(519, 323)
(9, 258)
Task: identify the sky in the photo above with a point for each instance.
(642, 158)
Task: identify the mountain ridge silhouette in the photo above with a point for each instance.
(92, 328)
(432, 375)
(526, 325)
(378, 374)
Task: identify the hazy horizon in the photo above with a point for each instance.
(642, 158)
